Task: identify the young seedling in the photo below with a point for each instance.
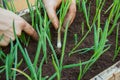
(117, 48)
(63, 11)
(76, 38)
(59, 44)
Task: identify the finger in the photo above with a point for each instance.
(70, 15)
(53, 17)
(4, 41)
(30, 31)
(51, 7)
(10, 34)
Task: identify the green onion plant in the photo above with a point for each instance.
(63, 11)
(117, 48)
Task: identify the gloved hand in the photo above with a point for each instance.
(6, 27)
(52, 5)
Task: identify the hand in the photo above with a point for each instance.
(52, 5)
(6, 27)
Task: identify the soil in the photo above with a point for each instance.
(101, 64)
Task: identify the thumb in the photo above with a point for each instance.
(30, 31)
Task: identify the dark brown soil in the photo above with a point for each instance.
(104, 61)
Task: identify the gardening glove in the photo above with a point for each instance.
(6, 27)
(52, 5)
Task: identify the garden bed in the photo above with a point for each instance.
(101, 64)
(112, 73)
